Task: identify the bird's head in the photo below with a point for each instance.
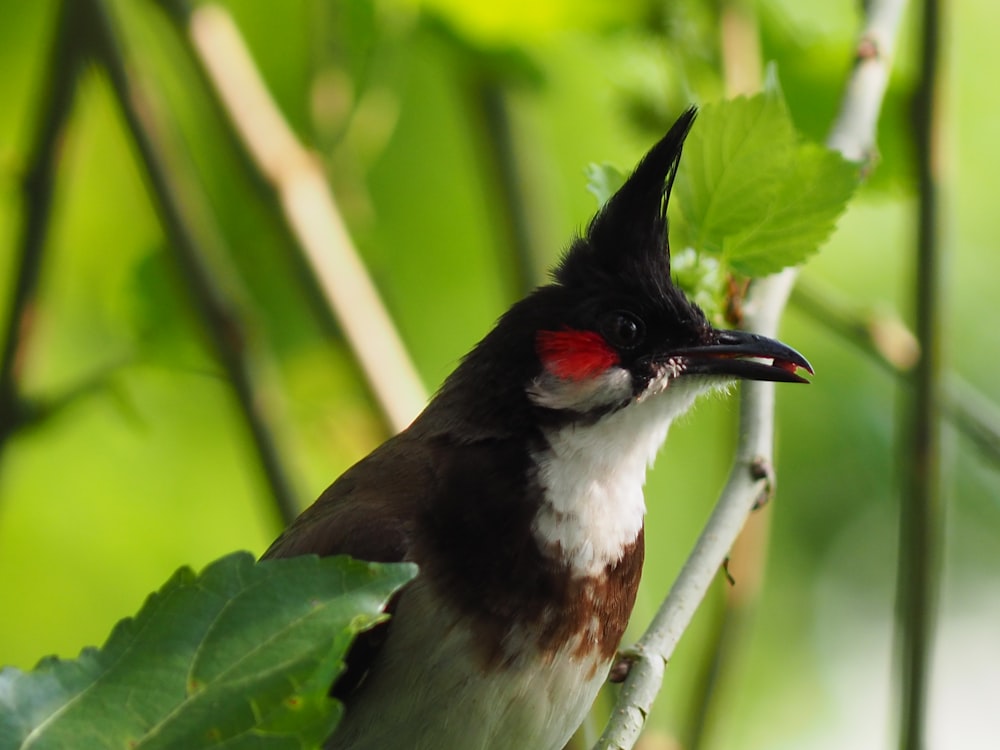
(612, 328)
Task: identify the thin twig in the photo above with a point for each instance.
(739, 42)
(308, 204)
(853, 135)
(882, 336)
(38, 187)
(173, 202)
(502, 154)
(921, 510)
(976, 416)
(36, 411)
(890, 344)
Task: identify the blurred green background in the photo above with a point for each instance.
(151, 469)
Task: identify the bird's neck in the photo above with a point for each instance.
(550, 546)
(592, 477)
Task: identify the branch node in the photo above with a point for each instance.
(868, 49)
(761, 468)
(620, 670)
(727, 573)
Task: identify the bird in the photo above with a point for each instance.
(518, 492)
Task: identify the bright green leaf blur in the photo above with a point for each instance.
(521, 20)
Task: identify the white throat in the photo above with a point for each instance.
(593, 475)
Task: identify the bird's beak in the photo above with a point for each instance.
(744, 355)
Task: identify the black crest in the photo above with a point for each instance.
(628, 236)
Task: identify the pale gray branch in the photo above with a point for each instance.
(853, 135)
(854, 131)
(311, 211)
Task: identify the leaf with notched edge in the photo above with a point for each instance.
(800, 218)
(733, 163)
(239, 656)
(751, 192)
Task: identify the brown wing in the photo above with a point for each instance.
(368, 513)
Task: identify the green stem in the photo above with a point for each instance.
(921, 515)
(969, 411)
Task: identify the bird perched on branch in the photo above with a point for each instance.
(518, 492)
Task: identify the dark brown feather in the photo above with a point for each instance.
(463, 512)
(368, 513)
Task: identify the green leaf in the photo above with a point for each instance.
(801, 217)
(603, 181)
(750, 192)
(700, 277)
(734, 161)
(240, 656)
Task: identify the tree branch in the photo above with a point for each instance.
(854, 131)
(882, 336)
(853, 135)
(921, 513)
(173, 202)
(38, 187)
(308, 206)
(502, 156)
(890, 344)
(976, 416)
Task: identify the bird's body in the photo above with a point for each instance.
(518, 492)
(535, 698)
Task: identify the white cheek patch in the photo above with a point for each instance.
(612, 386)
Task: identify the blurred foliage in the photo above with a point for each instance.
(101, 501)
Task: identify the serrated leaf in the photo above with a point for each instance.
(801, 217)
(751, 192)
(239, 656)
(603, 181)
(733, 163)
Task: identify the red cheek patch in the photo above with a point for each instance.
(574, 355)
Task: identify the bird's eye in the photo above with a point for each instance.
(623, 329)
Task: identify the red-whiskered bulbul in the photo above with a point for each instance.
(518, 492)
